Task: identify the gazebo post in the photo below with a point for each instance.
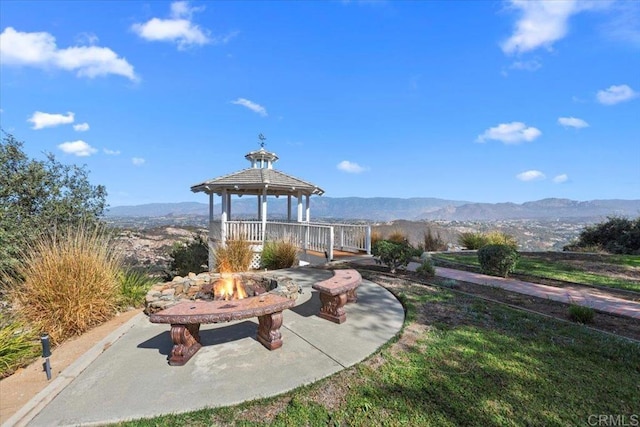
(210, 240)
(308, 210)
(259, 206)
(223, 218)
(289, 207)
(263, 218)
(299, 206)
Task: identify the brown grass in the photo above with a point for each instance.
(234, 256)
(70, 282)
(398, 236)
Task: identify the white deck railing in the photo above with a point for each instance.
(319, 237)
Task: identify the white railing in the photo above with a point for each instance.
(245, 230)
(352, 237)
(319, 237)
(307, 236)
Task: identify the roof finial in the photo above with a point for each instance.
(262, 138)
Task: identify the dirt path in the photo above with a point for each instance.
(17, 389)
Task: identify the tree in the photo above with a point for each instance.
(617, 235)
(38, 195)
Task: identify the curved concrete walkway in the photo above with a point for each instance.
(131, 378)
(597, 299)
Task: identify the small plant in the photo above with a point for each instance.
(279, 254)
(393, 254)
(471, 240)
(234, 256)
(498, 260)
(190, 257)
(426, 269)
(134, 285)
(18, 345)
(433, 242)
(70, 282)
(580, 314)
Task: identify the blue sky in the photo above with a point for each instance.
(485, 101)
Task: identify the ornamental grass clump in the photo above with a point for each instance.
(69, 282)
(18, 345)
(134, 285)
(234, 256)
(472, 240)
(279, 254)
(581, 314)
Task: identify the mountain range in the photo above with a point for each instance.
(389, 209)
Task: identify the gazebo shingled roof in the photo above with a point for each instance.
(254, 180)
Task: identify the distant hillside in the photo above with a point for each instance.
(388, 209)
(159, 209)
(541, 209)
(376, 208)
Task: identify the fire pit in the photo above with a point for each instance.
(216, 286)
(187, 303)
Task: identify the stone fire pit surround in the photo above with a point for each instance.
(198, 287)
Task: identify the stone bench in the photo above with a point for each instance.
(185, 320)
(336, 292)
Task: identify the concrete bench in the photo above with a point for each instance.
(336, 292)
(185, 320)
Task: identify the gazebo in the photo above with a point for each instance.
(262, 180)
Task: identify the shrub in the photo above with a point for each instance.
(190, 257)
(433, 243)
(580, 314)
(234, 256)
(393, 254)
(426, 269)
(70, 282)
(617, 235)
(134, 285)
(501, 238)
(498, 260)
(18, 345)
(472, 240)
(279, 254)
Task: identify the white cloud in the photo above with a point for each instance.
(40, 50)
(42, 120)
(616, 94)
(77, 148)
(572, 122)
(111, 152)
(81, 127)
(350, 167)
(624, 24)
(178, 29)
(561, 178)
(137, 161)
(531, 175)
(510, 133)
(542, 23)
(257, 108)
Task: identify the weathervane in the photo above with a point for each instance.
(262, 138)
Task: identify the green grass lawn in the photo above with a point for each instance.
(459, 361)
(559, 270)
